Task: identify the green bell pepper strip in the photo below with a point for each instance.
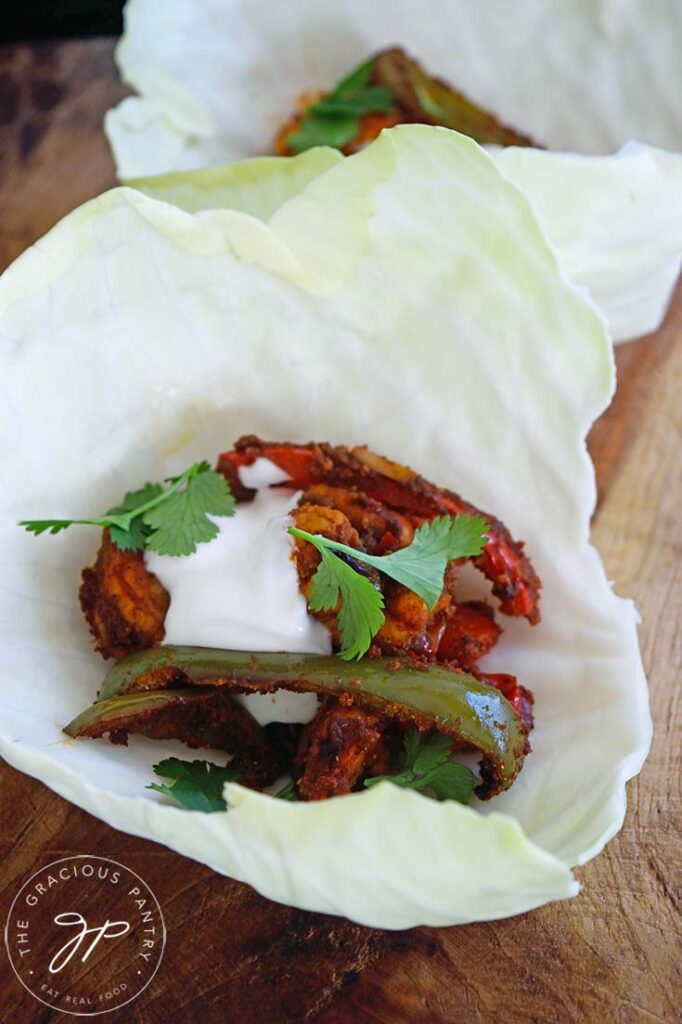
(454, 703)
(200, 716)
(115, 712)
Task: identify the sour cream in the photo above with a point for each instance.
(240, 591)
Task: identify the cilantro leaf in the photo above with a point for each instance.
(197, 785)
(132, 539)
(135, 537)
(373, 100)
(171, 520)
(180, 523)
(38, 526)
(467, 536)
(423, 755)
(360, 615)
(325, 586)
(355, 92)
(426, 765)
(450, 781)
(411, 746)
(420, 567)
(317, 130)
(335, 119)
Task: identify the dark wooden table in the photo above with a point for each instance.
(611, 954)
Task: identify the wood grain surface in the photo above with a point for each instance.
(611, 954)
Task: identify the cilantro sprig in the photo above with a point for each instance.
(427, 765)
(420, 567)
(335, 119)
(170, 520)
(197, 785)
(361, 613)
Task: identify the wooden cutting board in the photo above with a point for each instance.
(611, 954)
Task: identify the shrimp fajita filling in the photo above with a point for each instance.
(298, 609)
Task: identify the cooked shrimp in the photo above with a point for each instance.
(124, 603)
(398, 488)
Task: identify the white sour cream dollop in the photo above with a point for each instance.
(240, 591)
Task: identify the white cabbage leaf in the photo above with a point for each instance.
(615, 223)
(621, 237)
(406, 298)
(217, 77)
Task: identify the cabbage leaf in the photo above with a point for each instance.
(579, 75)
(406, 298)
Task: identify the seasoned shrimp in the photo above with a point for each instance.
(369, 503)
(124, 603)
(399, 489)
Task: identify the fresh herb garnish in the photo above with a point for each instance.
(135, 536)
(197, 785)
(335, 119)
(361, 613)
(170, 520)
(420, 567)
(426, 764)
